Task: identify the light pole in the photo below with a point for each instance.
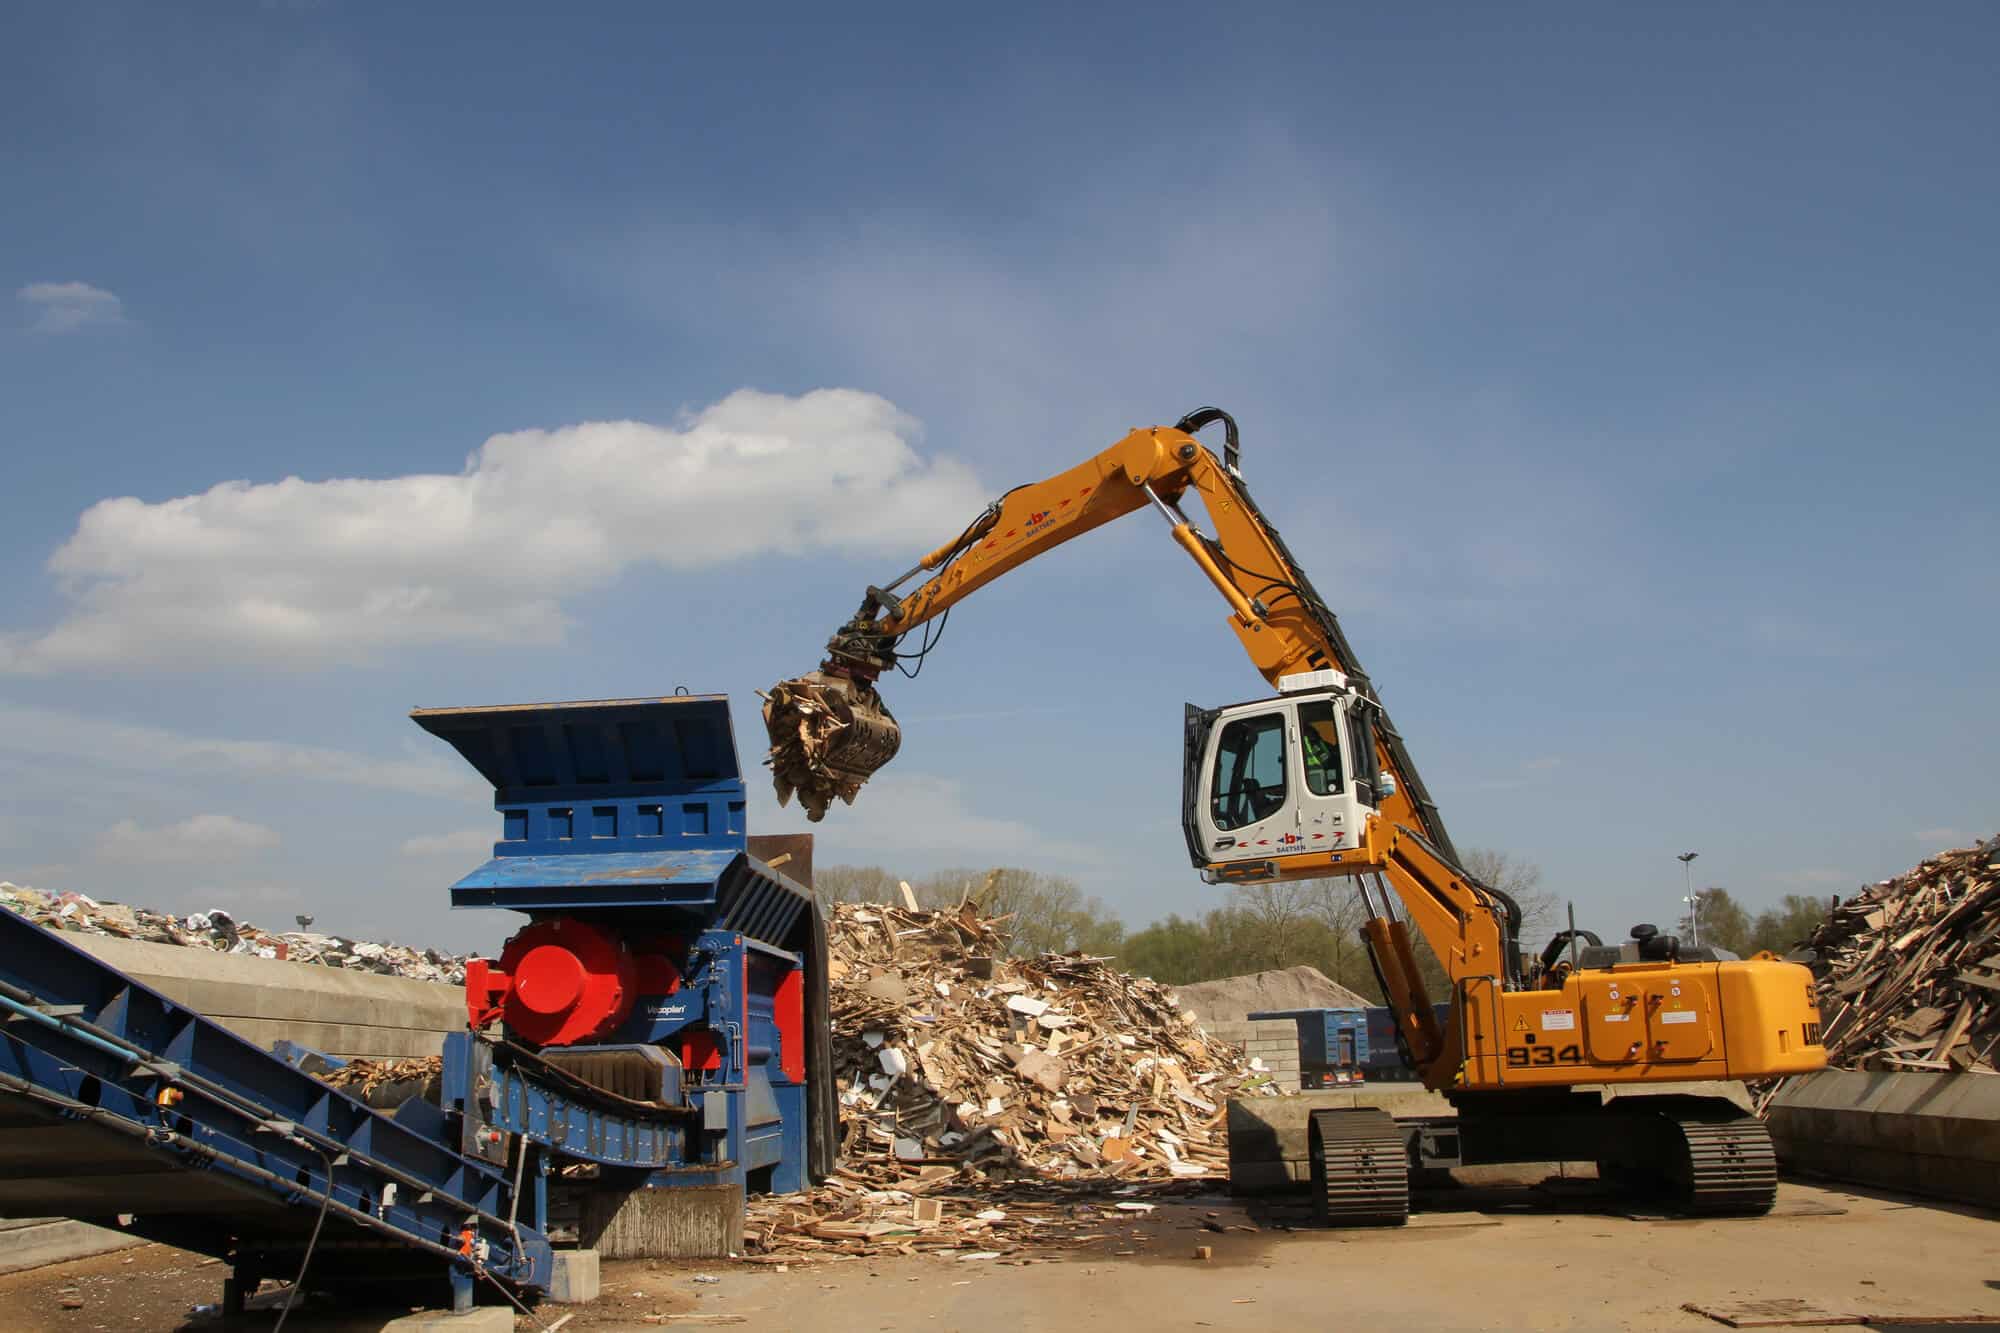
(1694, 904)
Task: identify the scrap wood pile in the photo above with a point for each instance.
(1909, 970)
(364, 1077)
(219, 932)
(942, 1210)
(967, 1078)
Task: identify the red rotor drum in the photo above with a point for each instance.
(568, 981)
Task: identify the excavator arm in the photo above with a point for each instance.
(1274, 611)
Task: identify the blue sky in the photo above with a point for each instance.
(1626, 380)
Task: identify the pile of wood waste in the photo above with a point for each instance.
(1909, 970)
(990, 1103)
(219, 932)
(383, 1083)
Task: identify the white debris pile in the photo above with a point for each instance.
(220, 932)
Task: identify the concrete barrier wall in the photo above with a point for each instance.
(31, 1242)
(1936, 1135)
(1274, 1041)
(344, 1013)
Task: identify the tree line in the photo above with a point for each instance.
(1259, 927)
(1722, 921)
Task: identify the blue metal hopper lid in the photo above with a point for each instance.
(689, 874)
(680, 742)
(709, 888)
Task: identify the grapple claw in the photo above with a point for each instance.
(829, 734)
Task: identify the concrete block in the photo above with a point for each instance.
(34, 1242)
(1936, 1135)
(574, 1280)
(479, 1319)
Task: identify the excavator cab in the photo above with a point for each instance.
(1276, 777)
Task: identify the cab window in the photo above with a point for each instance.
(1319, 747)
(1249, 780)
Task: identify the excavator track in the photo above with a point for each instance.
(1360, 1168)
(1730, 1167)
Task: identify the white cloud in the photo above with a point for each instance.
(205, 838)
(341, 570)
(463, 842)
(922, 816)
(71, 738)
(68, 307)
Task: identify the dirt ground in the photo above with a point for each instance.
(1492, 1259)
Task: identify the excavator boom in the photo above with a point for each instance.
(1275, 612)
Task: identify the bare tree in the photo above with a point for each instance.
(1336, 905)
(855, 884)
(1268, 917)
(1050, 913)
(1521, 880)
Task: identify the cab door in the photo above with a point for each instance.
(1336, 786)
(1244, 794)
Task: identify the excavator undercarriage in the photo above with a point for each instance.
(1687, 1152)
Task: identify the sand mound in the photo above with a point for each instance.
(1230, 999)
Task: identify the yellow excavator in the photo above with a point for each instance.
(1539, 1055)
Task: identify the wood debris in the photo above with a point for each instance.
(365, 1079)
(828, 736)
(1908, 971)
(1028, 1097)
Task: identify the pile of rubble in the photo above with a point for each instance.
(1909, 970)
(988, 1101)
(220, 932)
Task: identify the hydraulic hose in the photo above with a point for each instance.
(1208, 416)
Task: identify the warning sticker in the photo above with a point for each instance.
(1520, 1023)
(1558, 1020)
(1616, 1018)
(1679, 1016)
